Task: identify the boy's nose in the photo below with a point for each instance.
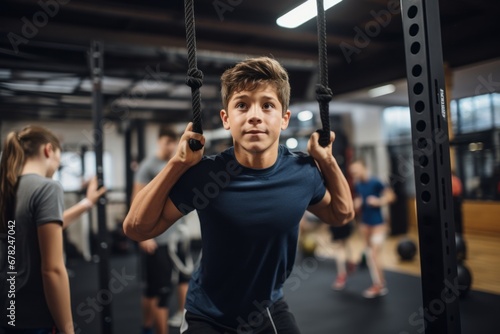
(254, 115)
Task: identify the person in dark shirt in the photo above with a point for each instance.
(371, 196)
(250, 199)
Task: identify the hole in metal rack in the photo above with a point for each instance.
(415, 48)
(421, 143)
(421, 125)
(418, 88)
(425, 178)
(419, 106)
(412, 11)
(425, 196)
(416, 70)
(414, 29)
(423, 161)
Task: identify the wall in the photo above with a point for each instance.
(75, 134)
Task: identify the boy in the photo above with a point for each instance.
(371, 196)
(158, 266)
(250, 199)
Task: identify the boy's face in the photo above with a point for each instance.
(166, 147)
(358, 171)
(255, 119)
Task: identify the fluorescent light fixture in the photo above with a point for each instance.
(305, 115)
(303, 13)
(292, 143)
(382, 90)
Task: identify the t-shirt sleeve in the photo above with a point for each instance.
(318, 183)
(379, 187)
(185, 193)
(142, 175)
(48, 204)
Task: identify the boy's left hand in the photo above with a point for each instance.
(319, 153)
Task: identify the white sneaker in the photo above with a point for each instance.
(176, 319)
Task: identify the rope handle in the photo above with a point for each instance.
(323, 93)
(194, 77)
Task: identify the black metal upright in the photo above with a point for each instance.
(96, 66)
(431, 152)
(129, 173)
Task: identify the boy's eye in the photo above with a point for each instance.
(240, 105)
(268, 105)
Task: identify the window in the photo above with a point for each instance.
(70, 171)
(496, 108)
(476, 113)
(397, 122)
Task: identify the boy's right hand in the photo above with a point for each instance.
(184, 154)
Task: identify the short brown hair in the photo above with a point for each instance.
(253, 72)
(166, 131)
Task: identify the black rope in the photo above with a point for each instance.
(194, 77)
(323, 93)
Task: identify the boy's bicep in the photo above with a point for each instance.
(321, 207)
(170, 213)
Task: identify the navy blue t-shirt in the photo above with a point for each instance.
(373, 187)
(250, 223)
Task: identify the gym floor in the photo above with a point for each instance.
(317, 308)
(482, 256)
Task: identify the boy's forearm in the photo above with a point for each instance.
(148, 204)
(341, 200)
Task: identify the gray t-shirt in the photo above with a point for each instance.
(148, 169)
(39, 201)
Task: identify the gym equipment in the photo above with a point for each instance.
(308, 245)
(323, 93)
(427, 100)
(96, 65)
(461, 247)
(464, 280)
(194, 77)
(406, 249)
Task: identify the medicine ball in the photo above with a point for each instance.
(464, 280)
(461, 247)
(407, 249)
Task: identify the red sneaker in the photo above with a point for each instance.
(375, 291)
(339, 283)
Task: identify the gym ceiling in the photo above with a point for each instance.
(44, 68)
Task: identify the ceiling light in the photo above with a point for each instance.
(292, 143)
(303, 13)
(305, 115)
(382, 90)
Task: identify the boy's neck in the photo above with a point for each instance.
(256, 160)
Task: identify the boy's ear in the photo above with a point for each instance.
(285, 120)
(225, 119)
